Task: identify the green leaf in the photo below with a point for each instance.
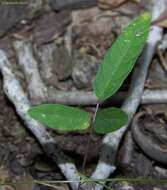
(60, 117)
(121, 57)
(109, 120)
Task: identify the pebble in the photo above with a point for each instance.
(84, 70)
(10, 16)
(59, 5)
(50, 26)
(63, 62)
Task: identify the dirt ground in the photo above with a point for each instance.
(94, 28)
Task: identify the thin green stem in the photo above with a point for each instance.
(89, 140)
(49, 185)
(88, 180)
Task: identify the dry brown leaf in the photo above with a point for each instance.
(110, 4)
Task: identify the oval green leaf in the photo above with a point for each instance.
(121, 57)
(60, 117)
(109, 120)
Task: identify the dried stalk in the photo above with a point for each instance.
(89, 99)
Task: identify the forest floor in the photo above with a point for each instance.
(73, 67)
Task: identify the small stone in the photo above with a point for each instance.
(47, 63)
(63, 62)
(84, 70)
(59, 5)
(50, 26)
(10, 16)
(161, 171)
(143, 166)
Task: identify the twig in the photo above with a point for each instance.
(88, 98)
(111, 141)
(154, 97)
(16, 95)
(127, 150)
(51, 185)
(40, 92)
(30, 67)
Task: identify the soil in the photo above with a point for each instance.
(93, 32)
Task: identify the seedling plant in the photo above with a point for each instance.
(114, 69)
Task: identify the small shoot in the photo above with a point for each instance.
(117, 64)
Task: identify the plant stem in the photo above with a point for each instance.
(49, 185)
(90, 134)
(89, 140)
(88, 180)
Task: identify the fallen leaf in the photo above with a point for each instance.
(110, 4)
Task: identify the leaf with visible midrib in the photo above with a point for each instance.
(121, 57)
(60, 117)
(109, 120)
